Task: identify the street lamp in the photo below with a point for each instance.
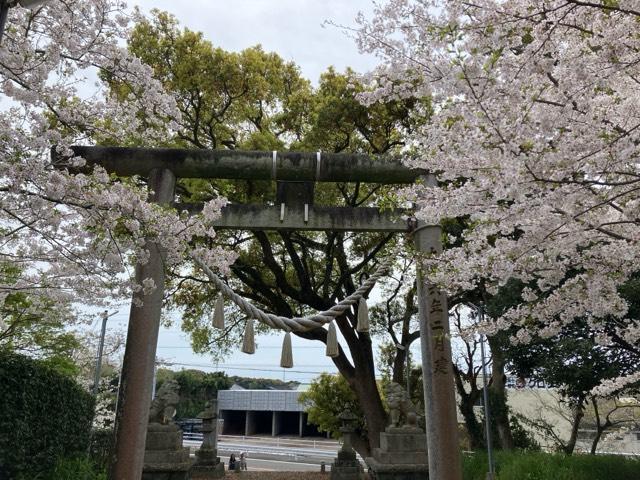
(485, 394)
(5, 5)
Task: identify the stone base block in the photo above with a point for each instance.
(167, 440)
(153, 457)
(402, 457)
(383, 471)
(165, 458)
(403, 441)
(346, 473)
(346, 457)
(346, 466)
(167, 472)
(205, 472)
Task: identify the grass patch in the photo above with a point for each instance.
(547, 466)
(75, 469)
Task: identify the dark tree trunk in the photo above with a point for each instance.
(596, 440)
(600, 427)
(500, 411)
(363, 382)
(578, 414)
(399, 364)
(473, 426)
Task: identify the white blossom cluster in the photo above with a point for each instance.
(535, 138)
(75, 237)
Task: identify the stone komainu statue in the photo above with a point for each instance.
(163, 406)
(402, 410)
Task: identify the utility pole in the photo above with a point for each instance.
(409, 372)
(96, 379)
(485, 395)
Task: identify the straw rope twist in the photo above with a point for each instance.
(296, 324)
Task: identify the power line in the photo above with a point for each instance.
(260, 347)
(252, 369)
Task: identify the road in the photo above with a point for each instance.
(281, 454)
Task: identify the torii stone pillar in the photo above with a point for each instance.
(134, 393)
(437, 369)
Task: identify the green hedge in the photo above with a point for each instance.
(102, 447)
(44, 417)
(76, 469)
(546, 466)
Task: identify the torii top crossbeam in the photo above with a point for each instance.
(248, 165)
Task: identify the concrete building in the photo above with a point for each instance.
(264, 412)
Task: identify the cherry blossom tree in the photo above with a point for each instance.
(70, 233)
(535, 140)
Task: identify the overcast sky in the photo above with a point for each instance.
(292, 28)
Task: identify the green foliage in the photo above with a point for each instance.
(102, 443)
(263, 383)
(545, 466)
(246, 99)
(327, 397)
(36, 325)
(76, 469)
(45, 416)
(522, 438)
(196, 388)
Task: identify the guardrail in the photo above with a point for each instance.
(279, 441)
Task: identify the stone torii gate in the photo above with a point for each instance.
(163, 166)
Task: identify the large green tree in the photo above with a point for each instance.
(254, 100)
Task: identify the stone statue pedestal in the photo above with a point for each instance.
(402, 455)
(165, 458)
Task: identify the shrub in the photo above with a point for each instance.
(76, 469)
(102, 443)
(546, 466)
(44, 417)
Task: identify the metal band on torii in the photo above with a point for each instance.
(274, 158)
(318, 163)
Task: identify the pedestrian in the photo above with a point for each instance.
(243, 461)
(232, 462)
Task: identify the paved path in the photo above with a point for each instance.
(259, 464)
